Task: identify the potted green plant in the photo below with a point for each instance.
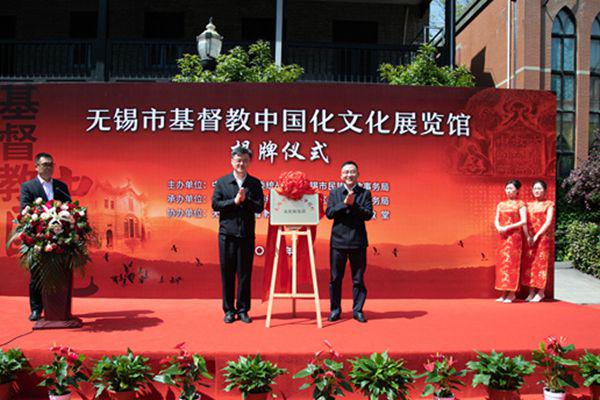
(442, 378)
(380, 376)
(184, 371)
(252, 376)
(589, 367)
(503, 376)
(326, 375)
(121, 376)
(12, 361)
(551, 356)
(63, 374)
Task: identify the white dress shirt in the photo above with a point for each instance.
(47, 187)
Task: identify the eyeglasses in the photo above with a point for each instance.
(46, 164)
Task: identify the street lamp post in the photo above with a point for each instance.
(209, 46)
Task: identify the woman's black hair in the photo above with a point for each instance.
(541, 182)
(514, 182)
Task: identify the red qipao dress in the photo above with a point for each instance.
(537, 258)
(508, 257)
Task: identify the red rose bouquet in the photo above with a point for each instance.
(54, 236)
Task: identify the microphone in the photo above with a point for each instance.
(67, 195)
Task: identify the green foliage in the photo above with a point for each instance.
(589, 367)
(326, 375)
(255, 65)
(183, 371)
(12, 361)
(121, 373)
(499, 372)
(380, 376)
(557, 368)
(441, 377)
(64, 373)
(583, 183)
(578, 215)
(583, 240)
(566, 214)
(424, 71)
(251, 375)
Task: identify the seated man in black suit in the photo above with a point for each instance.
(48, 189)
(237, 197)
(349, 206)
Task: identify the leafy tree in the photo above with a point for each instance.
(255, 65)
(423, 71)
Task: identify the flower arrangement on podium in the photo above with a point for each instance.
(54, 238)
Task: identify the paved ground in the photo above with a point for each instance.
(574, 286)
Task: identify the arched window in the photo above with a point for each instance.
(595, 80)
(563, 84)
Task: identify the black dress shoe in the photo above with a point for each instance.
(229, 317)
(244, 317)
(334, 316)
(35, 315)
(360, 317)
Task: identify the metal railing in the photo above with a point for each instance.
(156, 60)
(46, 60)
(345, 62)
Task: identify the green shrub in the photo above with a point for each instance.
(583, 240)
(255, 65)
(568, 212)
(424, 71)
(122, 373)
(499, 372)
(380, 376)
(12, 361)
(589, 367)
(251, 375)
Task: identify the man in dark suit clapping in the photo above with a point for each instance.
(47, 188)
(349, 206)
(237, 197)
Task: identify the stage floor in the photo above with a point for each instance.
(410, 328)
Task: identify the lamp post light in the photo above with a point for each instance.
(209, 46)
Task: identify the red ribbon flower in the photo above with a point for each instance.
(294, 185)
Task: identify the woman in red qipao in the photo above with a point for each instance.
(539, 252)
(511, 217)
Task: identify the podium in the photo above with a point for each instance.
(291, 216)
(57, 306)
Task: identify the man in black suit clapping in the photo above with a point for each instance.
(47, 188)
(237, 197)
(349, 206)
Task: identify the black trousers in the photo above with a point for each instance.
(358, 264)
(35, 292)
(236, 256)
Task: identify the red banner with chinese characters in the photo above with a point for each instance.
(143, 157)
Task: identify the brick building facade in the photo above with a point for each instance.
(540, 44)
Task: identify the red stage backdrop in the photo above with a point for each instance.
(144, 157)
